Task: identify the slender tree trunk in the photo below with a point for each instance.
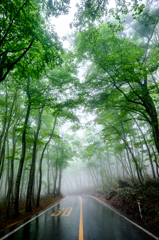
(130, 167)
(7, 128)
(7, 171)
(33, 191)
(157, 165)
(2, 166)
(37, 184)
(133, 157)
(32, 171)
(4, 127)
(117, 167)
(151, 110)
(9, 180)
(40, 163)
(90, 170)
(19, 174)
(101, 165)
(148, 149)
(123, 165)
(109, 166)
(59, 184)
(48, 175)
(53, 174)
(1, 185)
(12, 165)
(22, 184)
(56, 174)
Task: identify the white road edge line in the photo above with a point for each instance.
(8, 234)
(105, 204)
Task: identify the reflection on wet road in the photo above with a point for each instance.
(101, 223)
(75, 217)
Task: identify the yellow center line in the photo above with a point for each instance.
(81, 223)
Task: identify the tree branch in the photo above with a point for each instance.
(18, 50)
(18, 59)
(147, 45)
(139, 103)
(12, 22)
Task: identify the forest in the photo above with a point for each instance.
(82, 119)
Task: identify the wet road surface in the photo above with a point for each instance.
(77, 218)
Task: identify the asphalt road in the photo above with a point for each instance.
(76, 218)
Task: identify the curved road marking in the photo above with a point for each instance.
(15, 230)
(81, 223)
(144, 230)
(68, 214)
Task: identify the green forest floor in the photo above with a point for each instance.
(126, 201)
(45, 201)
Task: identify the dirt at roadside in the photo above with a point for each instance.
(121, 206)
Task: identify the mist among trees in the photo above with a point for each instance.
(61, 133)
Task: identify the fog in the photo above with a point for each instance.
(78, 99)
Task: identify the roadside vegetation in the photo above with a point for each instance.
(84, 119)
(127, 200)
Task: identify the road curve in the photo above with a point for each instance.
(76, 218)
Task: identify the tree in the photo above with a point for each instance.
(26, 35)
(120, 70)
(91, 12)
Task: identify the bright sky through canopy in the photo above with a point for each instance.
(62, 23)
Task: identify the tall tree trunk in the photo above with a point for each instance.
(20, 169)
(12, 165)
(131, 152)
(8, 126)
(59, 184)
(40, 163)
(56, 174)
(36, 179)
(2, 166)
(130, 167)
(94, 180)
(32, 170)
(7, 171)
(4, 126)
(148, 149)
(22, 183)
(10, 178)
(48, 175)
(33, 191)
(101, 165)
(123, 165)
(151, 110)
(157, 165)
